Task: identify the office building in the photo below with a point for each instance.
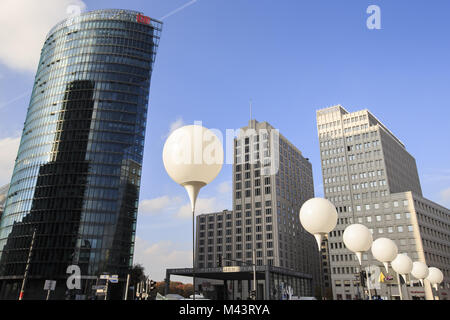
(77, 174)
(271, 181)
(372, 179)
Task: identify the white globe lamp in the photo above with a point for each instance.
(384, 250)
(318, 216)
(420, 271)
(402, 264)
(193, 157)
(358, 239)
(435, 276)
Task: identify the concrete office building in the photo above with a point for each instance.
(372, 179)
(271, 181)
(77, 174)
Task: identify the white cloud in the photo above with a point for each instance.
(203, 205)
(8, 154)
(437, 176)
(174, 125)
(445, 196)
(224, 187)
(175, 205)
(25, 25)
(158, 205)
(157, 257)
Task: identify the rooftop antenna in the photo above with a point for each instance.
(251, 113)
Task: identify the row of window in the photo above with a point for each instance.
(397, 229)
(247, 193)
(238, 238)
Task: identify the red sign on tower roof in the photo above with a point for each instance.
(143, 19)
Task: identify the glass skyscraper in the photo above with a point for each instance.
(77, 174)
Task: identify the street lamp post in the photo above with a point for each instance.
(319, 217)
(358, 239)
(435, 277)
(420, 272)
(385, 251)
(402, 265)
(193, 157)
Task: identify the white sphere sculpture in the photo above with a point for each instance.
(384, 250)
(358, 239)
(318, 216)
(419, 270)
(193, 157)
(435, 276)
(402, 264)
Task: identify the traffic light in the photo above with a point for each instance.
(253, 295)
(363, 278)
(219, 261)
(152, 285)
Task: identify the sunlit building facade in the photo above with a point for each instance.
(373, 180)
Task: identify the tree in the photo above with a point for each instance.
(180, 288)
(137, 274)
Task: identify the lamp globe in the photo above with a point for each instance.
(435, 276)
(384, 250)
(419, 270)
(318, 216)
(403, 265)
(358, 239)
(193, 157)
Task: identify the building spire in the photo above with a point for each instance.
(251, 125)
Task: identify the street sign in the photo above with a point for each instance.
(50, 285)
(101, 291)
(231, 269)
(104, 276)
(98, 287)
(114, 278)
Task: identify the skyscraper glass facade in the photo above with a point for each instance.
(77, 174)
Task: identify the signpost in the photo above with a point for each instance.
(49, 285)
(103, 289)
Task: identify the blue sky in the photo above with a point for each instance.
(290, 57)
